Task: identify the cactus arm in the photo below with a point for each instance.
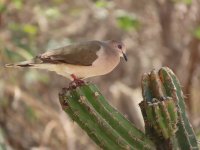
(185, 135)
(103, 124)
(157, 114)
(165, 111)
(163, 87)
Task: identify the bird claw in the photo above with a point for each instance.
(76, 83)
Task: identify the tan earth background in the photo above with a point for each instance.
(156, 33)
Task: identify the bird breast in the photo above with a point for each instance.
(106, 61)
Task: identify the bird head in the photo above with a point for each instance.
(120, 48)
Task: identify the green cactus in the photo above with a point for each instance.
(106, 126)
(164, 111)
(166, 124)
(161, 116)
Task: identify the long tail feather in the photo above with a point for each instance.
(28, 63)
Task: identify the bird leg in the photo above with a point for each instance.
(76, 82)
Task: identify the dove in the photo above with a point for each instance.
(79, 60)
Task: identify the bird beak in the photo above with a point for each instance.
(125, 57)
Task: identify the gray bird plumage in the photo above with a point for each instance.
(83, 54)
(83, 59)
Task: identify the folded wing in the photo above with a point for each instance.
(83, 54)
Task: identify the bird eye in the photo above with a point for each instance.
(119, 46)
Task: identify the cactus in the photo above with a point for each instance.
(164, 112)
(161, 116)
(166, 124)
(104, 124)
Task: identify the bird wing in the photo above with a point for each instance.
(83, 54)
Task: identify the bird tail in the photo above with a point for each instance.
(29, 63)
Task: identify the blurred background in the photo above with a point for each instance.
(156, 33)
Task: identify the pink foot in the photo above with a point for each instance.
(76, 82)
